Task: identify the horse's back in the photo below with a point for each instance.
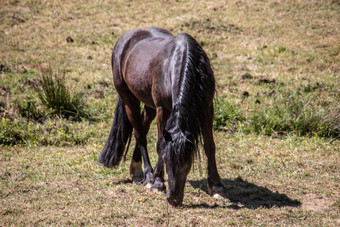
(133, 55)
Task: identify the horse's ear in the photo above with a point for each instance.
(167, 136)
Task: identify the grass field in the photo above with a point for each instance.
(277, 122)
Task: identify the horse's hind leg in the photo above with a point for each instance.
(132, 106)
(136, 170)
(215, 186)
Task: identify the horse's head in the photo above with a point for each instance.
(177, 154)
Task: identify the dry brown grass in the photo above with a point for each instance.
(292, 181)
(269, 182)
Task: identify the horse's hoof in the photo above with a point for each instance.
(137, 180)
(157, 190)
(218, 191)
(175, 202)
(158, 186)
(148, 185)
(218, 196)
(148, 179)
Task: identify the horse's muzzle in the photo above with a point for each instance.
(175, 201)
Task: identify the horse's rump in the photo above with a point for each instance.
(140, 50)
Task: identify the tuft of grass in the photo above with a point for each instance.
(55, 95)
(29, 109)
(290, 113)
(11, 132)
(227, 115)
(293, 113)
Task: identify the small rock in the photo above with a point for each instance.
(245, 94)
(247, 76)
(89, 57)
(69, 39)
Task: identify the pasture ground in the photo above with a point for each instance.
(49, 173)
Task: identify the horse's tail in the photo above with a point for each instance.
(119, 136)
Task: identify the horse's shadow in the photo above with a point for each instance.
(243, 194)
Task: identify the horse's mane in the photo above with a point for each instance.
(197, 88)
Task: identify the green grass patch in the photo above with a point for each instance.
(227, 115)
(57, 132)
(297, 114)
(289, 113)
(11, 132)
(56, 96)
(30, 109)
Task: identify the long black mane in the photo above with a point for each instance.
(197, 88)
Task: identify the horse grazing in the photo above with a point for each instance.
(172, 76)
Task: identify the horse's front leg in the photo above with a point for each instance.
(148, 172)
(158, 184)
(215, 187)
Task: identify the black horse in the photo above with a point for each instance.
(172, 76)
